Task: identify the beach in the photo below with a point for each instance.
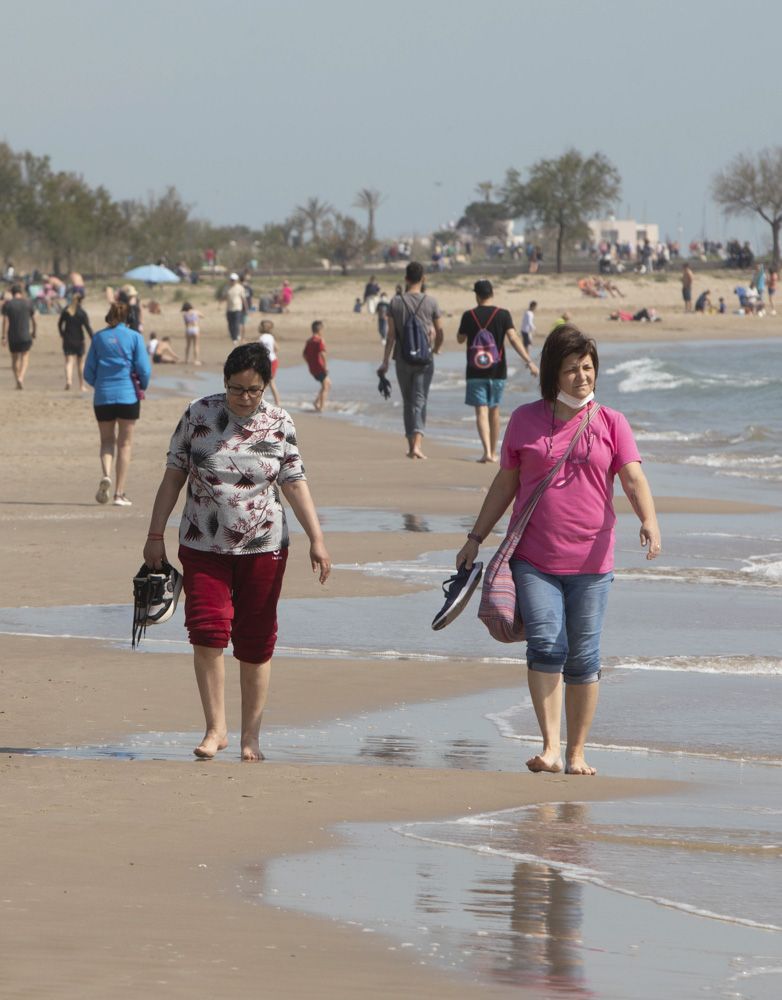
(130, 866)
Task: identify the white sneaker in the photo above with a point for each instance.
(102, 496)
(120, 500)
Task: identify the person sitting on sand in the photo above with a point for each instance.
(606, 285)
(703, 302)
(563, 566)
(588, 287)
(161, 351)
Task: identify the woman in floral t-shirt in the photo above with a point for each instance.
(237, 455)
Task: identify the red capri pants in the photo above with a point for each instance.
(233, 597)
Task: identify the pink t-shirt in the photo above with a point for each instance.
(572, 528)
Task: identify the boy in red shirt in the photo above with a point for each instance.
(315, 355)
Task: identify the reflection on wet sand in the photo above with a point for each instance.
(465, 753)
(414, 522)
(401, 750)
(542, 946)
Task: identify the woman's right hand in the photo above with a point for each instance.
(467, 554)
(155, 553)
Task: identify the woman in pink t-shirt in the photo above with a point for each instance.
(563, 566)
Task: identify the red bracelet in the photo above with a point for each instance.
(156, 537)
(474, 538)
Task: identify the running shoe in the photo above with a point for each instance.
(122, 501)
(458, 590)
(155, 596)
(104, 487)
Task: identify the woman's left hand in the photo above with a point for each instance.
(321, 561)
(650, 537)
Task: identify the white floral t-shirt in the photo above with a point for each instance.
(235, 466)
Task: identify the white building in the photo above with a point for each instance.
(624, 231)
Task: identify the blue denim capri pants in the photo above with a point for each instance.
(563, 618)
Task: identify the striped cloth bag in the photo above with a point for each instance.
(499, 609)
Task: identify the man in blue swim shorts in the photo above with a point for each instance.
(487, 330)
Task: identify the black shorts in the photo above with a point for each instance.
(320, 376)
(71, 351)
(118, 411)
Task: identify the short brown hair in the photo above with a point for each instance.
(118, 313)
(563, 340)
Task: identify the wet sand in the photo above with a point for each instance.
(121, 877)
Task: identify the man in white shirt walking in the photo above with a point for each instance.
(528, 325)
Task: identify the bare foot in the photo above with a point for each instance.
(577, 765)
(209, 746)
(251, 751)
(417, 454)
(545, 762)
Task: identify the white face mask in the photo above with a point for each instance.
(572, 402)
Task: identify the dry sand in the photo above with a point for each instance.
(120, 878)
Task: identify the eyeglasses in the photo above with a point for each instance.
(254, 391)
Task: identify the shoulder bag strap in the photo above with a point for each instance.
(516, 529)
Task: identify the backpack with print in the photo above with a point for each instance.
(414, 345)
(483, 352)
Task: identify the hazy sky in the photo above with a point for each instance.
(251, 107)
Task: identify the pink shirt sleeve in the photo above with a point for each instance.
(625, 448)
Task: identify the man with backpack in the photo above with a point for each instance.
(487, 331)
(415, 334)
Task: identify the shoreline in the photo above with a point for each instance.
(121, 873)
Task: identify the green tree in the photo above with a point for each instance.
(74, 218)
(485, 189)
(343, 240)
(315, 212)
(562, 194)
(370, 200)
(753, 186)
(10, 196)
(484, 217)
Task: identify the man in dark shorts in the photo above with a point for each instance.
(19, 331)
(486, 380)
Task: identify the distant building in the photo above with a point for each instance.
(624, 231)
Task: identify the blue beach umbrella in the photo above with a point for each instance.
(153, 274)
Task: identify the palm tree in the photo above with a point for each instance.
(485, 188)
(315, 212)
(370, 201)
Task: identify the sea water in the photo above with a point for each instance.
(675, 895)
(705, 405)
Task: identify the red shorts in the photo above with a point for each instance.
(275, 366)
(233, 597)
